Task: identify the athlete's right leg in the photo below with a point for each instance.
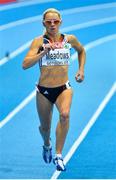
(45, 109)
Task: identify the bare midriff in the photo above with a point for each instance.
(53, 76)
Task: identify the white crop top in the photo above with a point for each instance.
(59, 56)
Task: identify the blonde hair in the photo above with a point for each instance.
(51, 10)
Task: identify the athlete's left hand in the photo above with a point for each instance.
(79, 76)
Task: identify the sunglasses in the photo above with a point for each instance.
(49, 22)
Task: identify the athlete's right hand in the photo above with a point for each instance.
(47, 47)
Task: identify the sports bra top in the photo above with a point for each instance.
(60, 56)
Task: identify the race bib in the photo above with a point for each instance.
(57, 57)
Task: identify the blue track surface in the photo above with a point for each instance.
(96, 154)
(20, 142)
(35, 10)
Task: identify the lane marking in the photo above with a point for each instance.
(89, 8)
(32, 95)
(63, 12)
(66, 29)
(15, 53)
(20, 22)
(22, 4)
(90, 23)
(87, 128)
(17, 109)
(96, 43)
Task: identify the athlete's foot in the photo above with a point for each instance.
(58, 161)
(47, 154)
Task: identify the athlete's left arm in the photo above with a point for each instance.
(81, 57)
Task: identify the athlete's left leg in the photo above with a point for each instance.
(63, 104)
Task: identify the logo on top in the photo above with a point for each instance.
(60, 45)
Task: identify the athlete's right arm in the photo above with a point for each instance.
(33, 55)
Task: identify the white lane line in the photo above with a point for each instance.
(17, 109)
(89, 8)
(20, 22)
(15, 53)
(63, 12)
(100, 41)
(31, 96)
(96, 43)
(87, 128)
(22, 4)
(66, 29)
(90, 23)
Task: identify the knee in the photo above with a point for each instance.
(64, 116)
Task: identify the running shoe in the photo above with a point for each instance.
(47, 154)
(58, 161)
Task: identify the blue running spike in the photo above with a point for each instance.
(47, 154)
